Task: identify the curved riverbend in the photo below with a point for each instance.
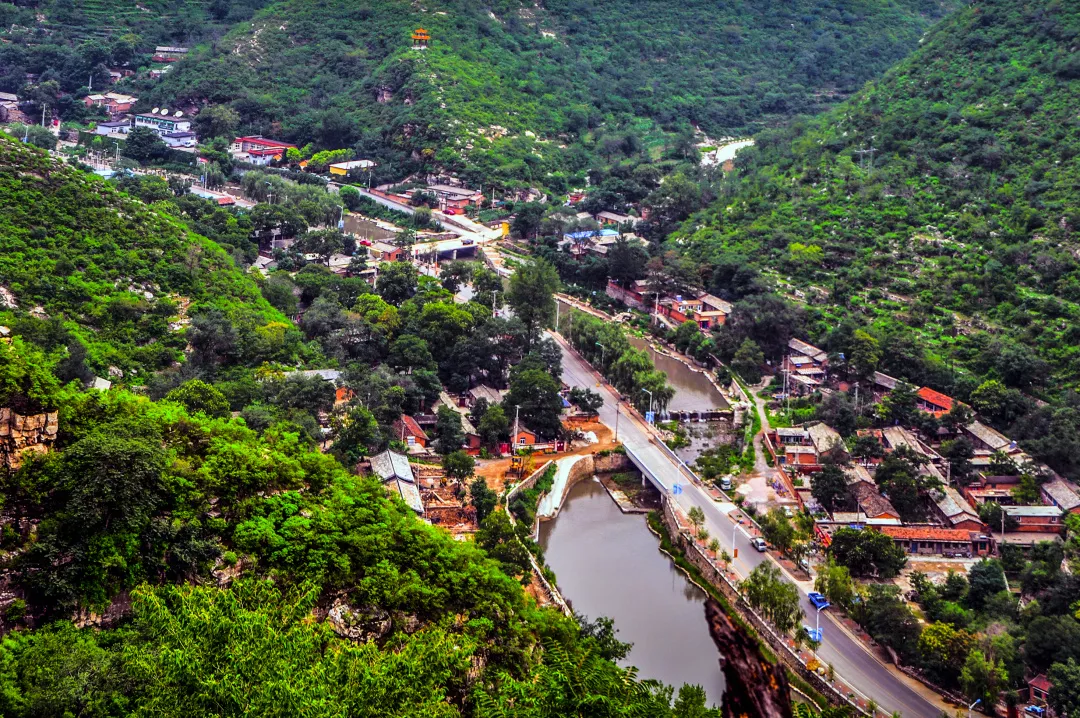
(608, 564)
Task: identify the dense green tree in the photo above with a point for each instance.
(458, 465)
(1065, 687)
(778, 600)
(449, 436)
(496, 536)
(198, 396)
(867, 553)
(535, 393)
(323, 243)
(531, 295)
(143, 145)
(397, 281)
(493, 426)
(982, 677)
(828, 486)
(986, 578)
(356, 433)
(483, 498)
(748, 360)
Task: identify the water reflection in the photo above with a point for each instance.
(693, 390)
(608, 564)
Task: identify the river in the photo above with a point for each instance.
(693, 390)
(608, 564)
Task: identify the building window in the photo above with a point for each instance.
(521, 441)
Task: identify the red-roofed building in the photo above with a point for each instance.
(937, 541)
(1039, 689)
(934, 402)
(259, 150)
(408, 431)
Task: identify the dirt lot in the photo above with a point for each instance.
(494, 470)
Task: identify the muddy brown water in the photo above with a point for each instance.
(693, 390)
(608, 564)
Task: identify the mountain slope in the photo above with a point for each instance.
(77, 256)
(343, 74)
(958, 247)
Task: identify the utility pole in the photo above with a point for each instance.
(558, 306)
(862, 156)
(517, 426)
(616, 421)
(495, 292)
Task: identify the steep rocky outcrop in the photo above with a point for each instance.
(23, 435)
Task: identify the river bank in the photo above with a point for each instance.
(608, 564)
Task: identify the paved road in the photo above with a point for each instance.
(851, 659)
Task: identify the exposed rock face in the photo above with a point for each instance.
(358, 624)
(755, 687)
(21, 435)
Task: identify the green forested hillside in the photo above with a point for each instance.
(957, 247)
(342, 74)
(105, 280)
(218, 544)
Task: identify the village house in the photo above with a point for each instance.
(114, 103)
(1037, 519)
(883, 384)
(637, 295)
(169, 53)
(406, 430)
(705, 310)
(523, 438)
(1039, 690)
(933, 541)
(997, 489)
(801, 348)
(385, 252)
(455, 198)
(983, 438)
(9, 108)
(933, 402)
(808, 448)
(955, 511)
(485, 392)
(117, 127)
(162, 122)
(1059, 493)
(615, 219)
(397, 477)
(259, 150)
(877, 510)
(343, 168)
(178, 140)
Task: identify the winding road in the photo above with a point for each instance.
(852, 660)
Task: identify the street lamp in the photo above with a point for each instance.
(650, 399)
(977, 702)
(494, 293)
(603, 351)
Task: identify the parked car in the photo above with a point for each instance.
(1035, 711)
(759, 543)
(451, 211)
(466, 242)
(725, 483)
(818, 600)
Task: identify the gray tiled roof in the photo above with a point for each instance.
(391, 465)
